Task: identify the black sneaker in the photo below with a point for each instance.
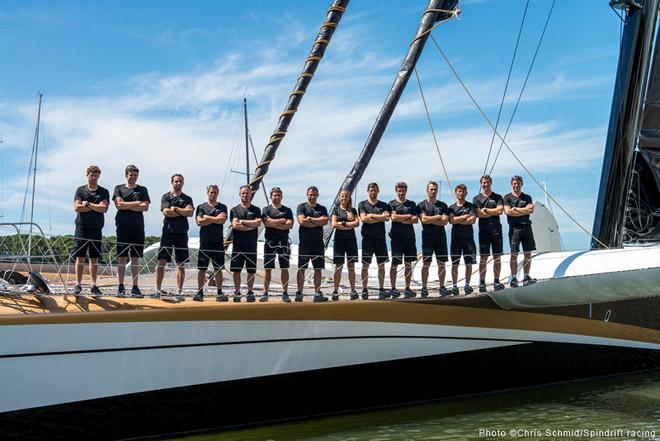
(77, 290)
(513, 283)
(180, 297)
(319, 297)
(121, 291)
(264, 297)
(394, 293)
(468, 290)
(482, 287)
(250, 297)
(157, 294)
(221, 297)
(354, 295)
(199, 297)
(237, 297)
(286, 298)
(365, 294)
(136, 293)
(455, 291)
(409, 293)
(424, 293)
(299, 296)
(528, 281)
(497, 286)
(383, 294)
(335, 296)
(95, 291)
(443, 292)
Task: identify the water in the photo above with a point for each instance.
(617, 408)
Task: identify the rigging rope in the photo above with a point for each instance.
(522, 90)
(506, 85)
(483, 114)
(428, 117)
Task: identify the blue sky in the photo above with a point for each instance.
(160, 83)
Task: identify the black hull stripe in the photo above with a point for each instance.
(250, 342)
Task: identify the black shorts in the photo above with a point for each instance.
(372, 246)
(436, 244)
(171, 243)
(277, 248)
(311, 250)
(211, 252)
(345, 249)
(403, 249)
(521, 234)
(244, 255)
(88, 242)
(130, 242)
(490, 240)
(464, 246)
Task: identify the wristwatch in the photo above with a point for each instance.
(343, 223)
(86, 203)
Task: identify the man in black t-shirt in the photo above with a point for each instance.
(279, 221)
(177, 207)
(210, 217)
(434, 216)
(404, 216)
(311, 217)
(462, 215)
(90, 203)
(518, 206)
(374, 214)
(131, 201)
(245, 221)
(489, 206)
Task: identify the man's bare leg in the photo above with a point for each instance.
(407, 273)
(94, 268)
(160, 273)
(121, 269)
(351, 274)
(135, 270)
(180, 277)
(284, 276)
(80, 266)
(317, 279)
(201, 279)
(300, 279)
(267, 277)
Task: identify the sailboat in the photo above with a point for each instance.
(144, 367)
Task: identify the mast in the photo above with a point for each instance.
(35, 152)
(630, 89)
(436, 10)
(247, 145)
(328, 27)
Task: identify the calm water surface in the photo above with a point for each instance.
(620, 408)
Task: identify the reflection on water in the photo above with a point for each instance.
(620, 408)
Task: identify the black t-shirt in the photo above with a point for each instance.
(377, 230)
(482, 201)
(91, 219)
(241, 213)
(211, 232)
(342, 215)
(462, 231)
(306, 210)
(179, 224)
(518, 201)
(130, 218)
(399, 230)
(283, 212)
(430, 209)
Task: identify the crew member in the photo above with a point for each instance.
(131, 200)
(278, 220)
(312, 216)
(404, 216)
(374, 214)
(211, 216)
(245, 222)
(489, 206)
(462, 216)
(344, 220)
(518, 206)
(434, 216)
(176, 207)
(90, 203)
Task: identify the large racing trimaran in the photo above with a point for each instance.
(113, 368)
